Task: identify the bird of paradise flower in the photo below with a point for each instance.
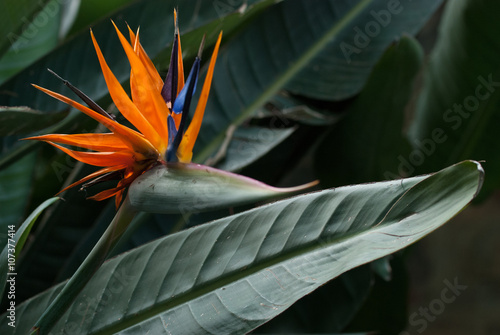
(157, 108)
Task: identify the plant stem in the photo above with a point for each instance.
(86, 270)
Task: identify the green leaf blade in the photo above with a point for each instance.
(236, 273)
(457, 114)
(18, 241)
(370, 149)
(24, 120)
(281, 49)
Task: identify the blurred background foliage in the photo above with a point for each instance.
(303, 90)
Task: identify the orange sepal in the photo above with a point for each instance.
(136, 140)
(185, 150)
(180, 66)
(148, 64)
(148, 100)
(99, 158)
(123, 102)
(107, 194)
(94, 175)
(92, 141)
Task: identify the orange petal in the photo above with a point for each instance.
(118, 198)
(137, 141)
(99, 158)
(94, 175)
(148, 64)
(180, 67)
(93, 141)
(185, 150)
(145, 95)
(107, 193)
(123, 102)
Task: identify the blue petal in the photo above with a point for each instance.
(182, 98)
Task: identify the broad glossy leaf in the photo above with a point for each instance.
(15, 244)
(458, 111)
(369, 140)
(15, 187)
(91, 11)
(24, 120)
(248, 144)
(35, 40)
(340, 70)
(280, 47)
(285, 107)
(233, 274)
(14, 18)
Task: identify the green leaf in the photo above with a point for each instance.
(459, 107)
(15, 243)
(340, 70)
(91, 11)
(233, 274)
(248, 144)
(278, 49)
(14, 18)
(24, 120)
(370, 139)
(285, 107)
(38, 37)
(15, 188)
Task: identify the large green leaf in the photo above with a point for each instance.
(24, 120)
(233, 274)
(342, 67)
(283, 107)
(278, 49)
(15, 188)
(459, 108)
(92, 10)
(16, 239)
(370, 139)
(248, 144)
(14, 18)
(36, 39)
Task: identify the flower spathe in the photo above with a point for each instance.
(157, 109)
